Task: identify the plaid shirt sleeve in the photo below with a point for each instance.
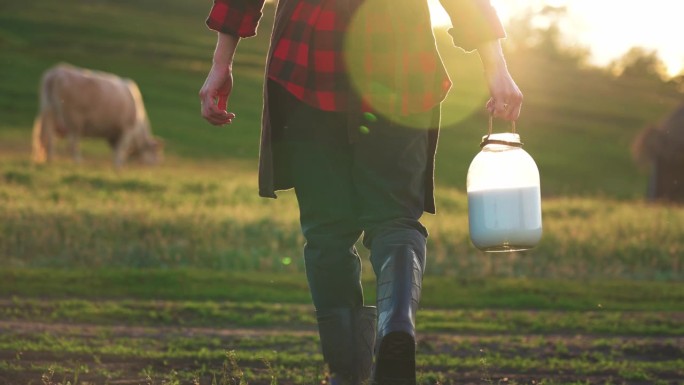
(474, 22)
(235, 17)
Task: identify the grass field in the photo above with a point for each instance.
(180, 274)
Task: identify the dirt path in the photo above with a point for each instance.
(85, 330)
(97, 354)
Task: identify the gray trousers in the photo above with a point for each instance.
(372, 187)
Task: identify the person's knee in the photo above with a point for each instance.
(396, 231)
(326, 255)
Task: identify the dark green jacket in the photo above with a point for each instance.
(474, 22)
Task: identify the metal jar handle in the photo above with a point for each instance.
(486, 140)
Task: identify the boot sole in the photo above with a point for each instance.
(395, 363)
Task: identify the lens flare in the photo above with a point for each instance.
(399, 82)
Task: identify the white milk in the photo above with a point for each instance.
(505, 219)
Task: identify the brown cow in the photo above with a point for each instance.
(662, 147)
(76, 103)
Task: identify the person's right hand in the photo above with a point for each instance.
(215, 93)
(506, 98)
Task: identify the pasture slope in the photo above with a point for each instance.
(181, 275)
(577, 122)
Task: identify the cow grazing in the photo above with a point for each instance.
(77, 103)
(662, 147)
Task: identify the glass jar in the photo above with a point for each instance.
(504, 195)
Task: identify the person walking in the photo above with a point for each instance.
(350, 121)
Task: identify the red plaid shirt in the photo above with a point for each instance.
(333, 50)
(308, 59)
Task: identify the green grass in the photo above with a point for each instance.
(260, 315)
(206, 215)
(269, 287)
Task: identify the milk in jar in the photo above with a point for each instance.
(504, 196)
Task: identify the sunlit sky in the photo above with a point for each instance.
(609, 28)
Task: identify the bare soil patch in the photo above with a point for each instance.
(88, 354)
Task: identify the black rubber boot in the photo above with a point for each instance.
(347, 341)
(399, 285)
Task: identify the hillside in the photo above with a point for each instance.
(577, 123)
